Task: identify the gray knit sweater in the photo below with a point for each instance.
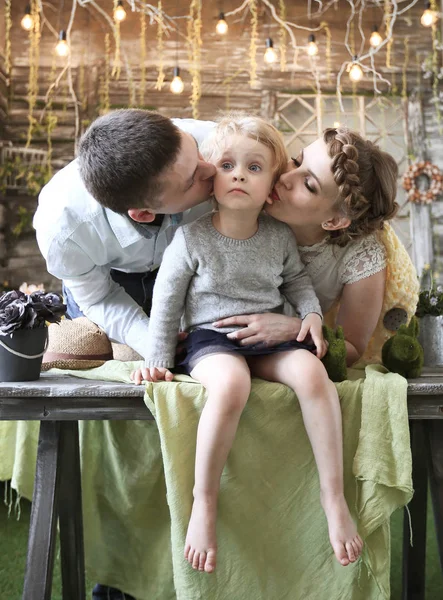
(205, 276)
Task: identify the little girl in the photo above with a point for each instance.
(237, 261)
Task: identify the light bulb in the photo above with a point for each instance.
(375, 40)
(429, 17)
(177, 86)
(119, 12)
(312, 46)
(336, 124)
(355, 72)
(221, 27)
(27, 21)
(270, 55)
(62, 48)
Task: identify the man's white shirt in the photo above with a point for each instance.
(82, 241)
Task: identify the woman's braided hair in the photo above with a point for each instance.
(367, 181)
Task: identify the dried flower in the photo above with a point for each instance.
(22, 311)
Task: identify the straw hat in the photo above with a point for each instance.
(124, 353)
(76, 344)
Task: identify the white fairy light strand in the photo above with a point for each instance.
(357, 8)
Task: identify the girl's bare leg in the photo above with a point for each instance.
(227, 380)
(320, 406)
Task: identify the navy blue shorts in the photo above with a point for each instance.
(202, 342)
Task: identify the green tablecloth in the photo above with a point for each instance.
(272, 533)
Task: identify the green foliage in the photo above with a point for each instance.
(31, 177)
(25, 221)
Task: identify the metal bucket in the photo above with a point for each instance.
(21, 354)
(431, 338)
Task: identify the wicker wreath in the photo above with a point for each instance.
(435, 177)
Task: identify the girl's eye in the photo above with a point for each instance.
(296, 162)
(255, 168)
(226, 166)
(308, 187)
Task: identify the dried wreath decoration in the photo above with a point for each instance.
(436, 182)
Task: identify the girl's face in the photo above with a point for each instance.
(245, 172)
(306, 193)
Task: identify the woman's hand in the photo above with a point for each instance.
(151, 374)
(268, 328)
(312, 325)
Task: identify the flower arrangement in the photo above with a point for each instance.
(430, 300)
(29, 311)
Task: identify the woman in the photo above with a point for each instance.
(336, 196)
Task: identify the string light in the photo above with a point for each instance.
(270, 55)
(177, 86)
(119, 12)
(336, 124)
(221, 27)
(62, 48)
(375, 40)
(27, 21)
(429, 16)
(355, 71)
(312, 46)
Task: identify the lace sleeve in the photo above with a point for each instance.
(365, 258)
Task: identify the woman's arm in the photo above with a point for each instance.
(360, 307)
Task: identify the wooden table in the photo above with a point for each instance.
(60, 402)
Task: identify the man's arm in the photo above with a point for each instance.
(100, 299)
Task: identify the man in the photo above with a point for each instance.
(104, 220)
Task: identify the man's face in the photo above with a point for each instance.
(189, 181)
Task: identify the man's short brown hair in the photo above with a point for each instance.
(122, 154)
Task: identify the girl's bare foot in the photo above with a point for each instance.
(343, 535)
(201, 541)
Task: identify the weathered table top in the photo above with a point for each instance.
(66, 398)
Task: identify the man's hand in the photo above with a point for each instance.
(268, 328)
(151, 374)
(312, 325)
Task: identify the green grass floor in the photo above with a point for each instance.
(14, 537)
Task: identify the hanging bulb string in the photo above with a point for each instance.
(369, 55)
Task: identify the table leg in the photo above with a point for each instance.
(414, 557)
(70, 514)
(435, 433)
(42, 530)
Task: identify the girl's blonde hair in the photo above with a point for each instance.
(256, 128)
(367, 182)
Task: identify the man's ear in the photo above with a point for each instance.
(141, 215)
(335, 223)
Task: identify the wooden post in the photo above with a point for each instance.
(420, 220)
(268, 105)
(319, 111)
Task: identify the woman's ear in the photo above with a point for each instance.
(141, 215)
(335, 223)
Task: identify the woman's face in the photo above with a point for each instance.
(305, 194)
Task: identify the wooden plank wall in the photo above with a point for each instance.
(21, 260)
(19, 256)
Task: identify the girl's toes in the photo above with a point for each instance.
(350, 551)
(210, 561)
